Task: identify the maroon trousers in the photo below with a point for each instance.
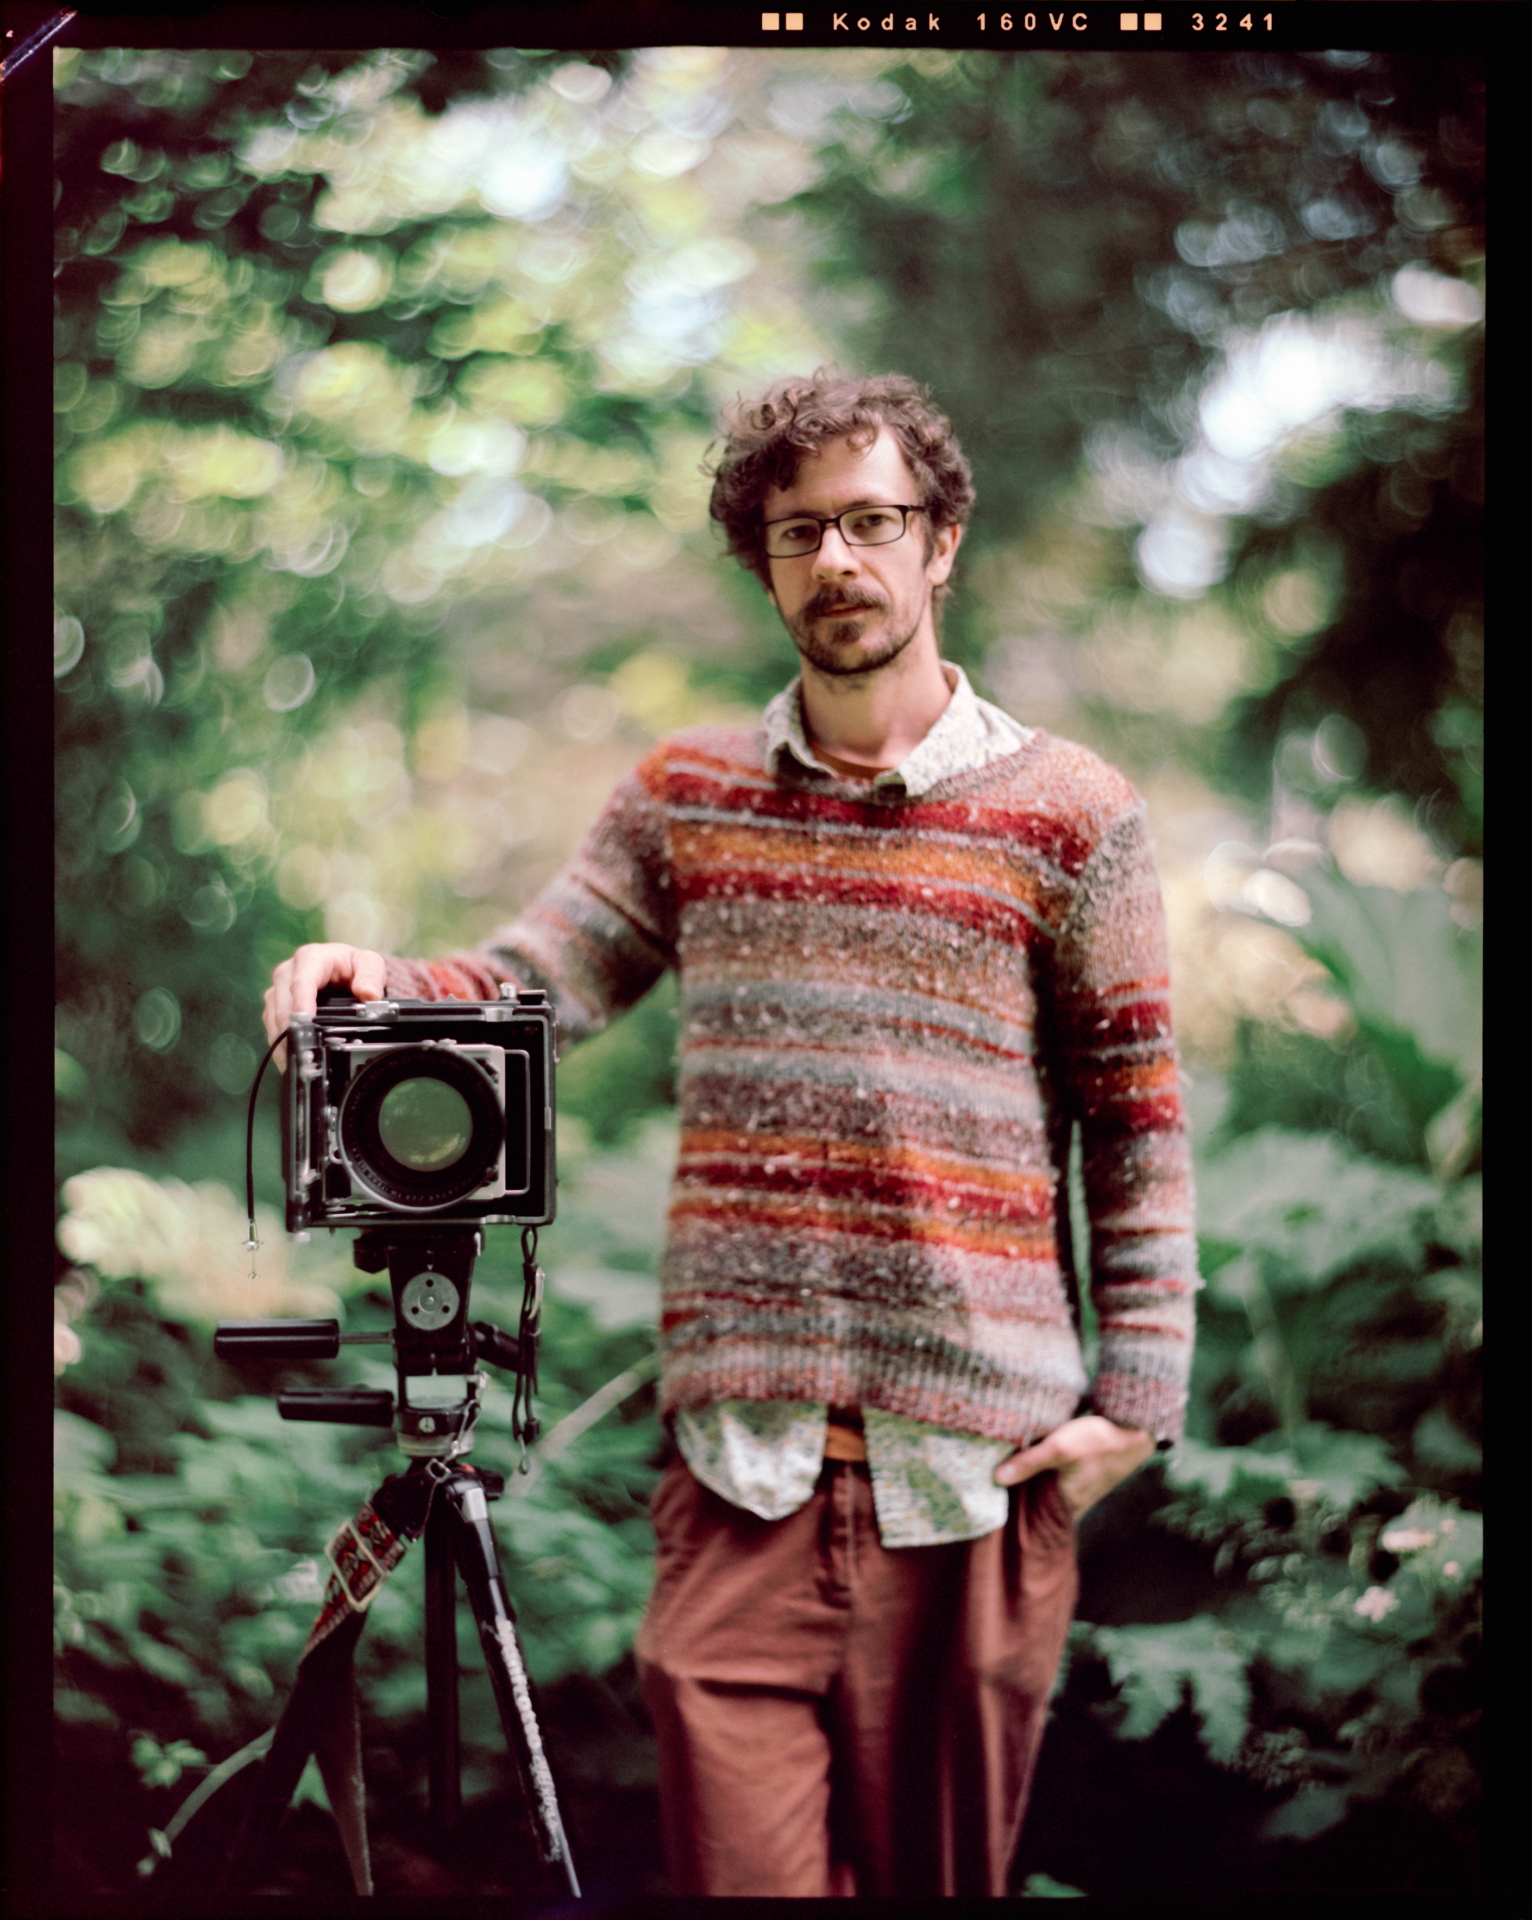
(838, 1717)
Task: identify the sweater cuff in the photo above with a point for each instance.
(1157, 1407)
(464, 977)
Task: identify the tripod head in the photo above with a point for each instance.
(437, 1349)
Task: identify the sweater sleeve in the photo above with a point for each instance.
(598, 936)
(1119, 1076)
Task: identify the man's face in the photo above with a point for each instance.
(851, 610)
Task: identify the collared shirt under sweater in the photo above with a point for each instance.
(883, 1051)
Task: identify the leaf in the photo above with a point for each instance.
(1221, 1697)
(1310, 1202)
(188, 1242)
(1345, 1467)
(311, 1787)
(1042, 1886)
(1315, 1808)
(1438, 1442)
(1154, 1665)
(1459, 1220)
(162, 1766)
(81, 1450)
(164, 1662)
(1312, 1810)
(1220, 1471)
(1402, 961)
(1432, 1535)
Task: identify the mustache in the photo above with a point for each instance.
(828, 600)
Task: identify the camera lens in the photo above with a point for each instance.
(421, 1127)
(425, 1125)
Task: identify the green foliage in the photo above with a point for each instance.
(624, 1073)
(1405, 1083)
(1332, 1473)
(1154, 1666)
(1411, 973)
(1339, 1467)
(1042, 1886)
(160, 1766)
(1306, 1205)
(286, 448)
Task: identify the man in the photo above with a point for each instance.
(916, 942)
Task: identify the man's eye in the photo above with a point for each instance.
(875, 520)
(798, 532)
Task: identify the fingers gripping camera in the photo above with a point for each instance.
(438, 1111)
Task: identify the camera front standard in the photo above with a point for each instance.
(432, 1111)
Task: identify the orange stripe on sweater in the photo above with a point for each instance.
(809, 1151)
(723, 848)
(782, 1216)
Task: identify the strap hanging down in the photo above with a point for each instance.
(525, 1425)
(321, 1716)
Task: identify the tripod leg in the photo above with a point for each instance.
(480, 1562)
(338, 1749)
(442, 1728)
(322, 1696)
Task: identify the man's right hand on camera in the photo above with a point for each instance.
(296, 983)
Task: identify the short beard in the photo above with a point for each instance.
(824, 653)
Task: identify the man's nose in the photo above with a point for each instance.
(836, 556)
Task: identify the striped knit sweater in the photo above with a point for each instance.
(892, 1011)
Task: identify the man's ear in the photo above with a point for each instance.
(944, 548)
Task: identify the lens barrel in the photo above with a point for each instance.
(398, 1115)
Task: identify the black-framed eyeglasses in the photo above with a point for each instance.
(857, 526)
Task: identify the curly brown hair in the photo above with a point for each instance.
(765, 443)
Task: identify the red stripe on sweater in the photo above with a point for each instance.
(980, 913)
(887, 1186)
(1007, 830)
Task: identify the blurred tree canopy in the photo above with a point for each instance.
(223, 531)
(1061, 246)
(384, 384)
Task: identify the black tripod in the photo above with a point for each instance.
(439, 1496)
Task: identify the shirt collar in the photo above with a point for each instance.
(970, 733)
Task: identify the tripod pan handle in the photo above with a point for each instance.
(276, 1339)
(500, 1349)
(340, 1406)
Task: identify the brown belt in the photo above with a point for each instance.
(843, 1435)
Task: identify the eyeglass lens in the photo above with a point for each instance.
(859, 527)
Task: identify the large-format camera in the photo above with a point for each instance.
(433, 1112)
(419, 1123)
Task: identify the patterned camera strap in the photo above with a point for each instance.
(321, 1716)
(362, 1554)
